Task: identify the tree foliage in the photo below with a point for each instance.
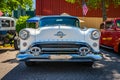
(103, 4)
(9, 5)
(96, 3)
(21, 23)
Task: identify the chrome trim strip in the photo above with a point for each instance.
(106, 47)
(55, 49)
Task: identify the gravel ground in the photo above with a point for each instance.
(106, 69)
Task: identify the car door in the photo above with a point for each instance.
(117, 32)
(109, 34)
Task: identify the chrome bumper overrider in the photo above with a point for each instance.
(46, 58)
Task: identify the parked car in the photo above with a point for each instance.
(110, 34)
(8, 31)
(59, 39)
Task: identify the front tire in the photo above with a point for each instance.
(119, 49)
(16, 44)
(29, 64)
(88, 64)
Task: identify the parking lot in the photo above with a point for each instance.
(107, 69)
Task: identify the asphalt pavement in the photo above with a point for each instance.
(106, 69)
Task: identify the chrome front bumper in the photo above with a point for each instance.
(47, 58)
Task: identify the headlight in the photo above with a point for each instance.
(95, 35)
(24, 34)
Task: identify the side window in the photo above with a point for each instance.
(12, 23)
(77, 24)
(0, 23)
(109, 25)
(118, 23)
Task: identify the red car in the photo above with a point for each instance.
(110, 34)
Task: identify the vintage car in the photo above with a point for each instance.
(59, 39)
(8, 31)
(110, 34)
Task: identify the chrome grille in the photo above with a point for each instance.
(60, 47)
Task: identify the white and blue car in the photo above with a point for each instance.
(59, 39)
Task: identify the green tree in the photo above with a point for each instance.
(21, 23)
(9, 5)
(2, 4)
(97, 4)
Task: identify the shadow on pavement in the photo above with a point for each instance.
(5, 50)
(10, 61)
(54, 71)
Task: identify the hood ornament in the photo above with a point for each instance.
(60, 34)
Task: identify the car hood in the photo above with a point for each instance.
(60, 33)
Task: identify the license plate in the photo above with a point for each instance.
(60, 57)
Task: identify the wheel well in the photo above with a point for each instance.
(119, 48)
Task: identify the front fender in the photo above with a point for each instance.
(116, 45)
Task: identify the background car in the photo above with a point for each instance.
(110, 34)
(8, 31)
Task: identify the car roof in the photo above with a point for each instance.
(59, 16)
(112, 19)
(7, 18)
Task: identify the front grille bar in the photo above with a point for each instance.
(63, 47)
(59, 49)
(61, 52)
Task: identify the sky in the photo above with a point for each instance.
(34, 3)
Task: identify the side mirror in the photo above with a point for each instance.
(102, 26)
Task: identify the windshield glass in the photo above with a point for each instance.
(109, 24)
(51, 21)
(118, 23)
(5, 23)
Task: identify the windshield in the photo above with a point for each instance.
(109, 24)
(5, 23)
(118, 23)
(67, 21)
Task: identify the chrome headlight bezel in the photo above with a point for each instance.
(24, 34)
(95, 35)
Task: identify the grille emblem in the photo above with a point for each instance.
(60, 34)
